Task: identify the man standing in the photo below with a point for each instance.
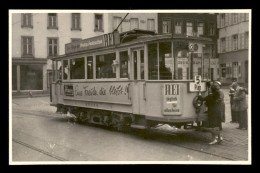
(234, 118)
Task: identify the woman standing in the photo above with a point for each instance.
(240, 104)
(216, 111)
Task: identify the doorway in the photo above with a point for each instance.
(138, 64)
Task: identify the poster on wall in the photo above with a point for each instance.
(172, 101)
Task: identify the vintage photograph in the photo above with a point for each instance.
(129, 87)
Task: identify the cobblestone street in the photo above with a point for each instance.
(233, 147)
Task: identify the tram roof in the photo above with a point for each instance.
(142, 39)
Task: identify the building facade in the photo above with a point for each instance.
(233, 46)
(37, 37)
(202, 29)
(142, 21)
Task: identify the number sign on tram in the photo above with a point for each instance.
(197, 85)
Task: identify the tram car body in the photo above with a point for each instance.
(130, 79)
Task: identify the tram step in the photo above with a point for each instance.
(138, 126)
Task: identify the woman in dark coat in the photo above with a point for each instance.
(240, 105)
(216, 111)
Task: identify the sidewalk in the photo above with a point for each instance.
(27, 94)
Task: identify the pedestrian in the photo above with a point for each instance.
(234, 118)
(241, 106)
(216, 112)
(235, 105)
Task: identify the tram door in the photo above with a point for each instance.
(138, 76)
(138, 64)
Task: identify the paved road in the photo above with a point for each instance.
(41, 135)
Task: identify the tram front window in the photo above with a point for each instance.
(152, 61)
(166, 61)
(162, 67)
(65, 69)
(124, 64)
(77, 68)
(104, 66)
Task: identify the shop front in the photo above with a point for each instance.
(234, 65)
(29, 75)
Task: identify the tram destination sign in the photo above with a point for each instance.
(93, 43)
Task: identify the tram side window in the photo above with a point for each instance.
(142, 64)
(152, 62)
(124, 64)
(65, 69)
(166, 61)
(90, 67)
(104, 66)
(77, 68)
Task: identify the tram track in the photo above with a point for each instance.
(156, 131)
(39, 150)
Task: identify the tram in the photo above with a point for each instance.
(132, 79)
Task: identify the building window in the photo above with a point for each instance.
(27, 20)
(211, 29)
(104, 66)
(178, 26)
(52, 21)
(75, 24)
(75, 39)
(31, 77)
(234, 18)
(247, 16)
(134, 23)
(124, 64)
(150, 24)
(14, 77)
(166, 24)
(90, 67)
(235, 42)
(235, 70)
(246, 40)
(52, 46)
(77, 68)
(223, 45)
(222, 20)
(117, 21)
(27, 46)
(223, 70)
(189, 28)
(98, 22)
(200, 29)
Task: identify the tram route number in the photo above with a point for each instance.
(197, 85)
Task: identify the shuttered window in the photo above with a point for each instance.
(116, 22)
(98, 22)
(27, 46)
(52, 21)
(150, 24)
(27, 20)
(52, 46)
(75, 21)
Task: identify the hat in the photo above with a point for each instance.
(219, 83)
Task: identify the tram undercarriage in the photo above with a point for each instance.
(116, 120)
